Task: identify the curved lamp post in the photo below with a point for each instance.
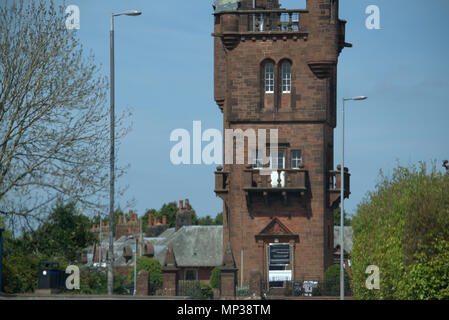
(342, 195)
(112, 153)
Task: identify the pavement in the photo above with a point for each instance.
(83, 297)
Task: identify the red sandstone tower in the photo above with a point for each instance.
(277, 69)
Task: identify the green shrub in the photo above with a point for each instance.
(20, 273)
(428, 278)
(154, 269)
(215, 278)
(331, 281)
(206, 291)
(316, 292)
(397, 227)
(95, 281)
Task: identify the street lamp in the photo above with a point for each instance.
(112, 153)
(342, 195)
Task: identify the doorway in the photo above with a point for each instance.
(279, 259)
(277, 163)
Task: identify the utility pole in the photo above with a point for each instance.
(135, 266)
(99, 242)
(112, 151)
(342, 195)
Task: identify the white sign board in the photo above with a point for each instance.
(280, 275)
(308, 287)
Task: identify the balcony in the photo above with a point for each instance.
(235, 25)
(276, 20)
(334, 187)
(221, 183)
(267, 181)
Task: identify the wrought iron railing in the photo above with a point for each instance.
(335, 181)
(277, 20)
(274, 179)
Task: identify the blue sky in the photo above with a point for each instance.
(164, 72)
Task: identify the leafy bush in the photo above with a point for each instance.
(64, 234)
(20, 273)
(215, 278)
(95, 281)
(206, 291)
(331, 281)
(316, 292)
(403, 228)
(154, 269)
(428, 278)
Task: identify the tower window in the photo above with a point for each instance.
(286, 77)
(269, 77)
(296, 159)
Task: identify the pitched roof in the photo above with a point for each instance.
(194, 246)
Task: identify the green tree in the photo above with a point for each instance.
(337, 217)
(154, 269)
(54, 122)
(215, 278)
(94, 281)
(219, 219)
(168, 210)
(64, 235)
(399, 227)
(428, 277)
(206, 291)
(20, 272)
(206, 221)
(60, 238)
(331, 285)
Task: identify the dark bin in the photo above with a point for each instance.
(50, 277)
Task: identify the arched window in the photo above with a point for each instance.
(286, 77)
(269, 77)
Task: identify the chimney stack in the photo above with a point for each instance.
(150, 220)
(164, 220)
(184, 215)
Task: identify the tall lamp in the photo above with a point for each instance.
(112, 154)
(342, 196)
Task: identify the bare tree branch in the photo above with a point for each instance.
(54, 122)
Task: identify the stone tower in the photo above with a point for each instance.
(277, 69)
